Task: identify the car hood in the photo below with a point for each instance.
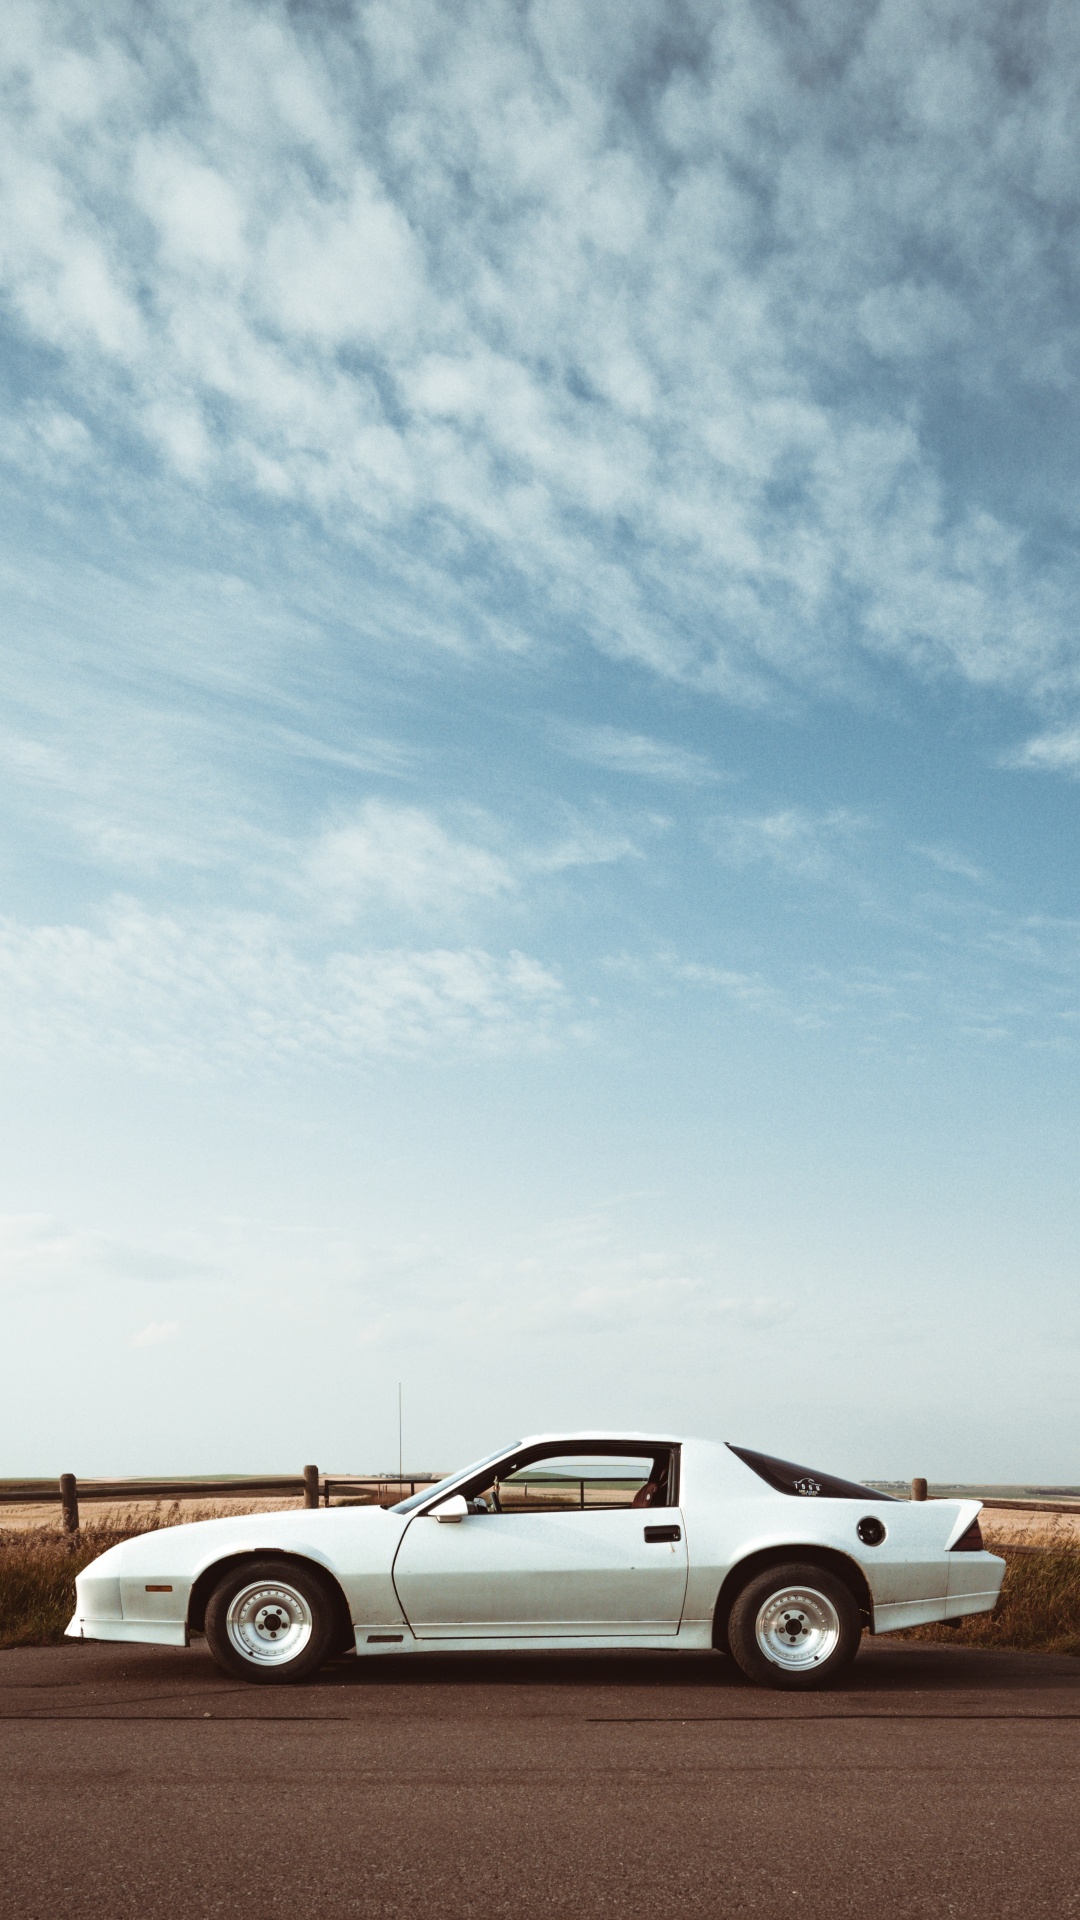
(319, 1534)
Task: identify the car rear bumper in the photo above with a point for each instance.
(896, 1615)
(973, 1583)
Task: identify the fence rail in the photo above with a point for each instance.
(316, 1489)
(1036, 1506)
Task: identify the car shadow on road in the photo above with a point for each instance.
(892, 1676)
(881, 1668)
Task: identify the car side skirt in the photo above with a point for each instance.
(693, 1636)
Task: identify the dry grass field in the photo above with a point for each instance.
(38, 1564)
(1039, 1607)
(1005, 1527)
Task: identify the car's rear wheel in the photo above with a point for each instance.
(794, 1626)
(271, 1622)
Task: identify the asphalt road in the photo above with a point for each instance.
(141, 1782)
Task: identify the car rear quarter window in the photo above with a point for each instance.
(807, 1483)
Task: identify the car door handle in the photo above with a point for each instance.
(663, 1533)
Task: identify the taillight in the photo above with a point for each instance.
(970, 1541)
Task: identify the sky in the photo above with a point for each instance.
(540, 730)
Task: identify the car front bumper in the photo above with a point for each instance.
(156, 1633)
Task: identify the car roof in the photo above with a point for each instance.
(576, 1435)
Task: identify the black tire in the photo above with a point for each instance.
(795, 1626)
(272, 1622)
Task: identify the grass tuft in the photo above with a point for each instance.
(38, 1568)
(37, 1581)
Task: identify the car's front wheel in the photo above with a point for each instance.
(794, 1626)
(271, 1621)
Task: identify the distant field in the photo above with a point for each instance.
(955, 1490)
(136, 1516)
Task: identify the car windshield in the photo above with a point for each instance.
(441, 1486)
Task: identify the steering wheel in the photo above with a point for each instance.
(495, 1501)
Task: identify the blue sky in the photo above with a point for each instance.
(540, 731)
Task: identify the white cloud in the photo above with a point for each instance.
(906, 967)
(155, 1334)
(38, 1251)
(619, 751)
(594, 1273)
(403, 856)
(583, 846)
(344, 273)
(34, 1248)
(751, 992)
(659, 1298)
(586, 325)
(813, 846)
(193, 994)
(947, 860)
(904, 320)
(800, 1001)
(198, 214)
(1055, 752)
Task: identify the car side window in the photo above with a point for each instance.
(564, 1482)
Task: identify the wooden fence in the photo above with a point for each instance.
(315, 1488)
(919, 1492)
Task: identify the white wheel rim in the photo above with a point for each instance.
(797, 1628)
(268, 1623)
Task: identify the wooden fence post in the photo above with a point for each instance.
(69, 1502)
(311, 1486)
(918, 1489)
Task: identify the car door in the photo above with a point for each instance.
(557, 1547)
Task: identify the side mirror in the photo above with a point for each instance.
(453, 1509)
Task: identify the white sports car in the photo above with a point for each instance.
(564, 1540)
